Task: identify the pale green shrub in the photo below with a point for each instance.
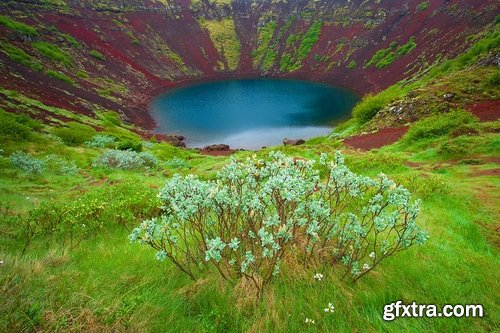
(251, 217)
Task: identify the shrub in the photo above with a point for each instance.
(438, 125)
(61, 166)
(87, 215)
(247, 221)
(365, 110)
(126, 159)
(176, 163)
(15, 126)
(74, 133)
(494, 79)
(27, 163)
(134, 145)
(100, 141)
(18, 26)
(98, 55)
(53, 52)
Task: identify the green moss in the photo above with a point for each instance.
(292, 59)
(384, 57)
(97, 55)
(18, 55)
(224, 37)
(59, 76)
(17, 26)
(265, 34)
(82, 74)
(52, 52)
(438, 125)
(310, 38)
(352, 65)
(423, 6)
(406, 48)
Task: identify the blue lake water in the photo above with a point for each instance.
(251, 114)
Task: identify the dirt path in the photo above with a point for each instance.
(385, 136)
(486, 110)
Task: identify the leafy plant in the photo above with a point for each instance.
(27, 163)
(100, 141)
(126, 159)
(247, 221)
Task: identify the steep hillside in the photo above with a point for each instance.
(94, 55)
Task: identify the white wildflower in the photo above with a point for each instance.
(318, 276)
(330, 308)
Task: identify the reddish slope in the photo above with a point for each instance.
(135, 41)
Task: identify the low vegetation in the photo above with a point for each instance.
(384, 57)
(17, 26)
(52, 52)
(18, 55)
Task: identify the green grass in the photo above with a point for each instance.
(18, 26)
(423, 6)
(370, 105)
(18, 55)
(384, 57)
(104, 281)
(60, 76)
(97, 55)
(52, 52)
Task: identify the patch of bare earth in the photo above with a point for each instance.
(383, 137)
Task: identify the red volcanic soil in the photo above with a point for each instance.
(382, 138)
(486, 111)
(138, 42)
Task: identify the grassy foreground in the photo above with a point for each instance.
(66, 264)
(104, 283)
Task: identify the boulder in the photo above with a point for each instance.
(217, 147)
(291, 142)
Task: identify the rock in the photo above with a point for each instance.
(217, 147)
(290, 142)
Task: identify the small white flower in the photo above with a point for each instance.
(318, 276)
(372, 255)
(366, 267)
(1, 262)
(310, 321)
(330, 308)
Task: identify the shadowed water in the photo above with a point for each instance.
(251, 114)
